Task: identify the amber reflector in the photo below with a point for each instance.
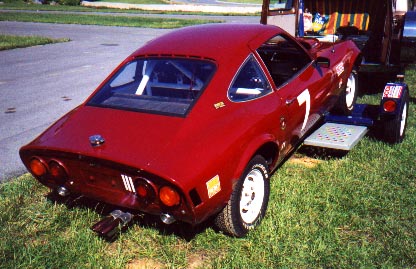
(169, 196)
(389, 106)
(37, 167)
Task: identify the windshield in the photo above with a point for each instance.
(163, 86)
(281, 4)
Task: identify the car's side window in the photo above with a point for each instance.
(284, 58)
(249, 83)
(126, 76)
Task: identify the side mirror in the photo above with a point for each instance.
(323, 62)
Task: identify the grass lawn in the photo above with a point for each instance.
(101, 20)
(21, 5)
(355, 211)
(12, 42)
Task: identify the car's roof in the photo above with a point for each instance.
(214, 41)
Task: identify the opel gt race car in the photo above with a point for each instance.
(191, 125)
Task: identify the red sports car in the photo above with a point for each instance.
(192, 124)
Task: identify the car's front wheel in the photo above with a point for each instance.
(248, 202)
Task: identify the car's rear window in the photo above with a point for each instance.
(164, 86)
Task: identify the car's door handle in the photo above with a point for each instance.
(290, 101)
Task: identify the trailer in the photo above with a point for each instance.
(388, 121)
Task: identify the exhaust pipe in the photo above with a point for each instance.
(111, 225)
(167, 219)
(62, 191)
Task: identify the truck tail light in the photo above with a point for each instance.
(168, 196)
(389, 106)
(37, 167)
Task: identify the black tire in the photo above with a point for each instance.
(394, 129)
(244, 212)
(348, 96)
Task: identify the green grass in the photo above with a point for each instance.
(12, 42)
(21, 5)
(356, 211)
(166, 23)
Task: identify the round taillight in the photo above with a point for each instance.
(389, 106)
(144, 190)
(37, 167)
(168, 196)
(57, 172)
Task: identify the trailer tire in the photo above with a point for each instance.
(394, 129)
(248, 202)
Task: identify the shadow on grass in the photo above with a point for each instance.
(180, 229)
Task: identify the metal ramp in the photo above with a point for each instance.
(336, 136)
(344, 132)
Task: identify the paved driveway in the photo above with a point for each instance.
(40, 84)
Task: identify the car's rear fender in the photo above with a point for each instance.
(265, 145)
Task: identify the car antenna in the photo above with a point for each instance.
(333, 41)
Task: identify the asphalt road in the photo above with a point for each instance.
(40, 84)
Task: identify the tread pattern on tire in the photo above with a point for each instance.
(227, 219)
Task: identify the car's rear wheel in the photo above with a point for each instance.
(395, 128)
(248, 202)
(348, 97)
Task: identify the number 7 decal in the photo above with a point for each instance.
(302, 98)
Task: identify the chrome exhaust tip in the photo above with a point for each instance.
(110, 226)
(62, 191)
(167, 219)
